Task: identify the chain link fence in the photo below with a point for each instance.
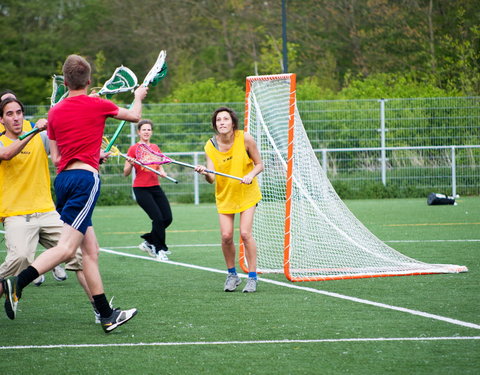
(368, 148)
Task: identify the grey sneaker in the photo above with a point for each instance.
(231, 282)
(162, 255)
(117, 318)
(148, 248)
(11, 296)
(39, 280)
(251, 286)
(59, 273)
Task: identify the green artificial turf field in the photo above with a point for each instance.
(187, 324)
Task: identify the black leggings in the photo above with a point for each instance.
(155, 203)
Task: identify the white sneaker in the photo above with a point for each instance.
(39, 280)
(59, 273)
(117, 318)
(251, 286)
(148, 248)
(162, 255)
(231, 282)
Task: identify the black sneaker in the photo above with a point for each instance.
(117, 318)
(11, 296)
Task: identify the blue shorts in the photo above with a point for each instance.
(77, 191)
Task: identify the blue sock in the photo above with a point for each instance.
(232, 270)
(252, 275)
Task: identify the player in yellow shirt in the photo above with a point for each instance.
(27, 125)
(26, 203)
(233, 152)
(58, 272)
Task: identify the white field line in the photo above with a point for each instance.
(313, 290)
(286, 341)
(218, 245)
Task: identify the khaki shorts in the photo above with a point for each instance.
(22, 235)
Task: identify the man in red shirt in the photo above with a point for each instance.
(75, 129)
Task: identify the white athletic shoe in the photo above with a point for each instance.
(59, 273)
(117, 318)
(162, 255)
(251, 286)
(148, 248)
(231, 282)
(39, 280)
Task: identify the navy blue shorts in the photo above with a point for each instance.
(77, 192)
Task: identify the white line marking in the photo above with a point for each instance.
(313, 290)
(218, 245)
(407, 241)
(171, 246)
(285, 341)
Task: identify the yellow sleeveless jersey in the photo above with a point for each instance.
(27, 126)
(25, 180)
(231, 195)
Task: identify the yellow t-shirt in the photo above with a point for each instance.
(27, 126)
(231, 195)
(25, 180)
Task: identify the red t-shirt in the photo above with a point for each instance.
(144, 177)
(77, 125)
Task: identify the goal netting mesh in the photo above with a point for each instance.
(302, 227)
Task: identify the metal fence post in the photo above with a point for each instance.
(382, 130)
(454, 173)
(195, 181)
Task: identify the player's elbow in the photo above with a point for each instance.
(135, 117)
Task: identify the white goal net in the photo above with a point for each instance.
(302, 227)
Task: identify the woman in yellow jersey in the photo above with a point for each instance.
(234, 152)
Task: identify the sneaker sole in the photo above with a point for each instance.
(11, 299)
(116, 325)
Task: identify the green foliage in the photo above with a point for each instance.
(312, 89)
(390, 85)
(271, 56)
(330, 44)
(207, 91)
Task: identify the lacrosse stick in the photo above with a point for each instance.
(59, 92)
(155, 75)
(147, 156)
(116, 152)
(123, 79)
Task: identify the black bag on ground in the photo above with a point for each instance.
(434, 199)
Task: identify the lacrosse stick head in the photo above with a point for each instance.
(158, 71)
(122, 80)
(114, 151)
(147, 156)
(59, 90)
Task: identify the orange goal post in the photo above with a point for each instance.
(302, 227)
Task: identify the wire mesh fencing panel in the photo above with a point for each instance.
(360, 143)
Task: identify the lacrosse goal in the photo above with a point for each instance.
(302, 227)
